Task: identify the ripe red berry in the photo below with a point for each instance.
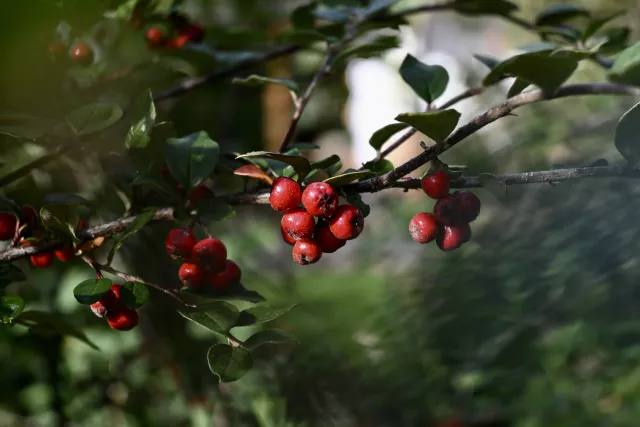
(200, 193)
(436, 185)
(451, 237)
(307, 251)
(64, 254)
(195, 33)
(320, 199)
(123, 320)
(298, 223)
(180, 243)
(177, 42)
(447, 211)
(8, 222)
(285, 194)
(109, 302)
(210, 253)
(82, 54)
(287, 238)
(42, 259)
(191, 275)
(423, 227)
(155, 36)
(227, 277)
(326, 240)
(469, 205)
(347, 222)
(29, 216)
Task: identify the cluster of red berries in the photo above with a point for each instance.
(203, 262)
(119, 316)
(26, 230)
(448, 225)
(182, 32)
(336, 223)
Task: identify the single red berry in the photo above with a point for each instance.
(200, 193)
(8, 223)
(191, 275)
(298, 223)
(307, 251)
(469, 205)
(209, 253)
(227, 277)
(326, 240)
(195, 33)
(423, 227)
(155, 36)
(451, 237)
(64, 254)
(123, 320)
(109, 302)
(177, 42)
(447, 211)
(287, 238)
(180, 243)
(436, 185)
(29, 216)
(82, 54)
(285, 194)
(41, 260)
(347, 223)
(320, 199)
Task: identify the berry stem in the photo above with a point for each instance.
(93, 264)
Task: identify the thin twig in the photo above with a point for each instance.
(93, 264)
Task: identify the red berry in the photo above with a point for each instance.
(8, 223)
(155, 36)
(195, 33)
(109, 302)
(307, 251)
(191, 275)
(82, 54)
(82, 224)
(123, 320)
(178, 42)
(451, 237)
(347, 223)
(180, 243)
(285, 194)
(64, 254)
(326, 240)
(29, 216)
(41, 260)
(287, 238)
(298, 223)
(225, 278)
(320, 199)
(436, 185)
(200, 193)
(447, 211)
(423, 227)
(469, 205)
(210, 253)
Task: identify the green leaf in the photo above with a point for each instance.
(24, 126)
(229, 363)
(9, 274)
(484, 7)
(338, 180)
(261, 313)
(299, 163)
(54, 323)
(93, 118)
(236, 293)
(333, 14)
(489, 61)
(269, 336)
(382, 135)
(427, 81)
(616, 40)
(90, 291)
(218, 316)
(256, 80)
(192, 158)
(596, 24)
(518, 86)
(134, 294)
(139, 133)
(626, 67)
(627, 136)
(373, 48)
(60, 217)
(380, 167)
(215, 210)
(558, 14)
(569, 34)
(302, 17)
(137, 225)
(529, 66)
(10, 307)
(437, 125)
(355, 198)
(327, 163)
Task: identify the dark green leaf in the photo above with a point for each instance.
(9, 205)
(237, 293)
(437, 125)
(558, 14)
(269, 336)
(139, 133)
(192, 158)
(137, 225)
(218, 316)
(261, 313)
(90, 291)
(10, 307)
(380, 167)
(229, 363)
(54, 323)
(355, 198)
(303, 146)
(326, 163)
(596, 24)
(427, 81)
(566, 33)
(345, 178)
(615, 40)
(484, 7)
(60, 217)
(93, 118)
(256, 80)
(626, 67)
(177, 65)
(382, 135)
(373, 48)
(303, 17)
(9, 274)
(517, 87)
(299, 163)
(65, 199)
(134, 294)
(627, 136)
(489, 61)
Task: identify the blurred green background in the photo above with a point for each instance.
(534, 323)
